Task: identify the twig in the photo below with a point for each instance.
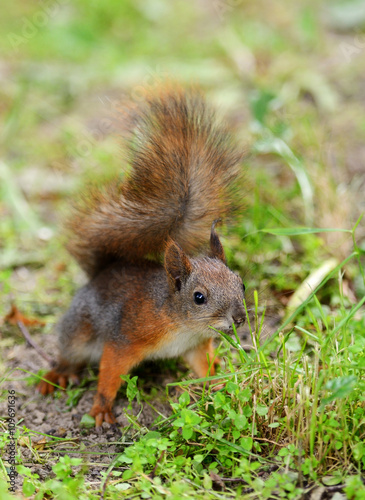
(233, 480)
(104, 485)
(269, 470)
(35, 346)
(152, 474)
(268, 441)
(335, 488)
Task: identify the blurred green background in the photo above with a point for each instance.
(289, 77)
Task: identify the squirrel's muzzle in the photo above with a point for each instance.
(238, 315)
(238, 321)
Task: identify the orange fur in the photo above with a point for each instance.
(118, 358)
(115, 362)
(197, 359)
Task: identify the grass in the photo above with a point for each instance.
(291, 416)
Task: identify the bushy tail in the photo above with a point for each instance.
(183, 168)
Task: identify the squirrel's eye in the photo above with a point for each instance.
(199, 298)
(244, 288)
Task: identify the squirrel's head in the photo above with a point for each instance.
(206, 292)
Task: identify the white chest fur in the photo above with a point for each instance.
(180, 341)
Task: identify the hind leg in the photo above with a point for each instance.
(77, 347)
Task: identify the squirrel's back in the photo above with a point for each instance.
(182, 171)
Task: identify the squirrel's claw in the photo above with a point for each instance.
(44, 388)
(47, 386)
(102, 415)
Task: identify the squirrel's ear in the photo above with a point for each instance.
(216, 247)
(177, 264)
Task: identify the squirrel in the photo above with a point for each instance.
(150, 294)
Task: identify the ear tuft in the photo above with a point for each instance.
(216, 247)
(177, 264)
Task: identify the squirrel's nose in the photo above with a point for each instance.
(238, 320)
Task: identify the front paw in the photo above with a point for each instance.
(102, 414)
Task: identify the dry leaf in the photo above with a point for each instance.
(15, 315)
